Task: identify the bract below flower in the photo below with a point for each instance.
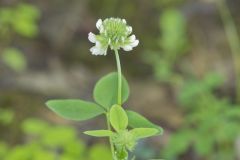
(114, 33)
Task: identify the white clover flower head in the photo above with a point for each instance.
(114, 33)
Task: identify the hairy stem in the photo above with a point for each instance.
(119, 77)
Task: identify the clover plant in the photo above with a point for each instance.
(124, 127)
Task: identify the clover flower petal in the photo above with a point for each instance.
(127, 48)
(99, 24)
(132, 38)
(134, 43)
(97, 50)
(92, 37)
(114, 33)
(129, 29)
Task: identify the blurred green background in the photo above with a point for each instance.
(184, 76)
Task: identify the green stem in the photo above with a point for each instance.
(110, 138)
(233, 39)
(119, 77)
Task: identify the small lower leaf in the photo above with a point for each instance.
(135, 120)
(143, 132)
(99, 133)
(75, 109)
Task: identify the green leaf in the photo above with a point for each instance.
(33, 126)
(6, 116)
(99, 133)
(105, 91)
(179, 143)
(135, 120)
(99, 151)
(118, 118)
(75, 109)
(25, 20)
(143, 132)
(14, 59)
(58, 136)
